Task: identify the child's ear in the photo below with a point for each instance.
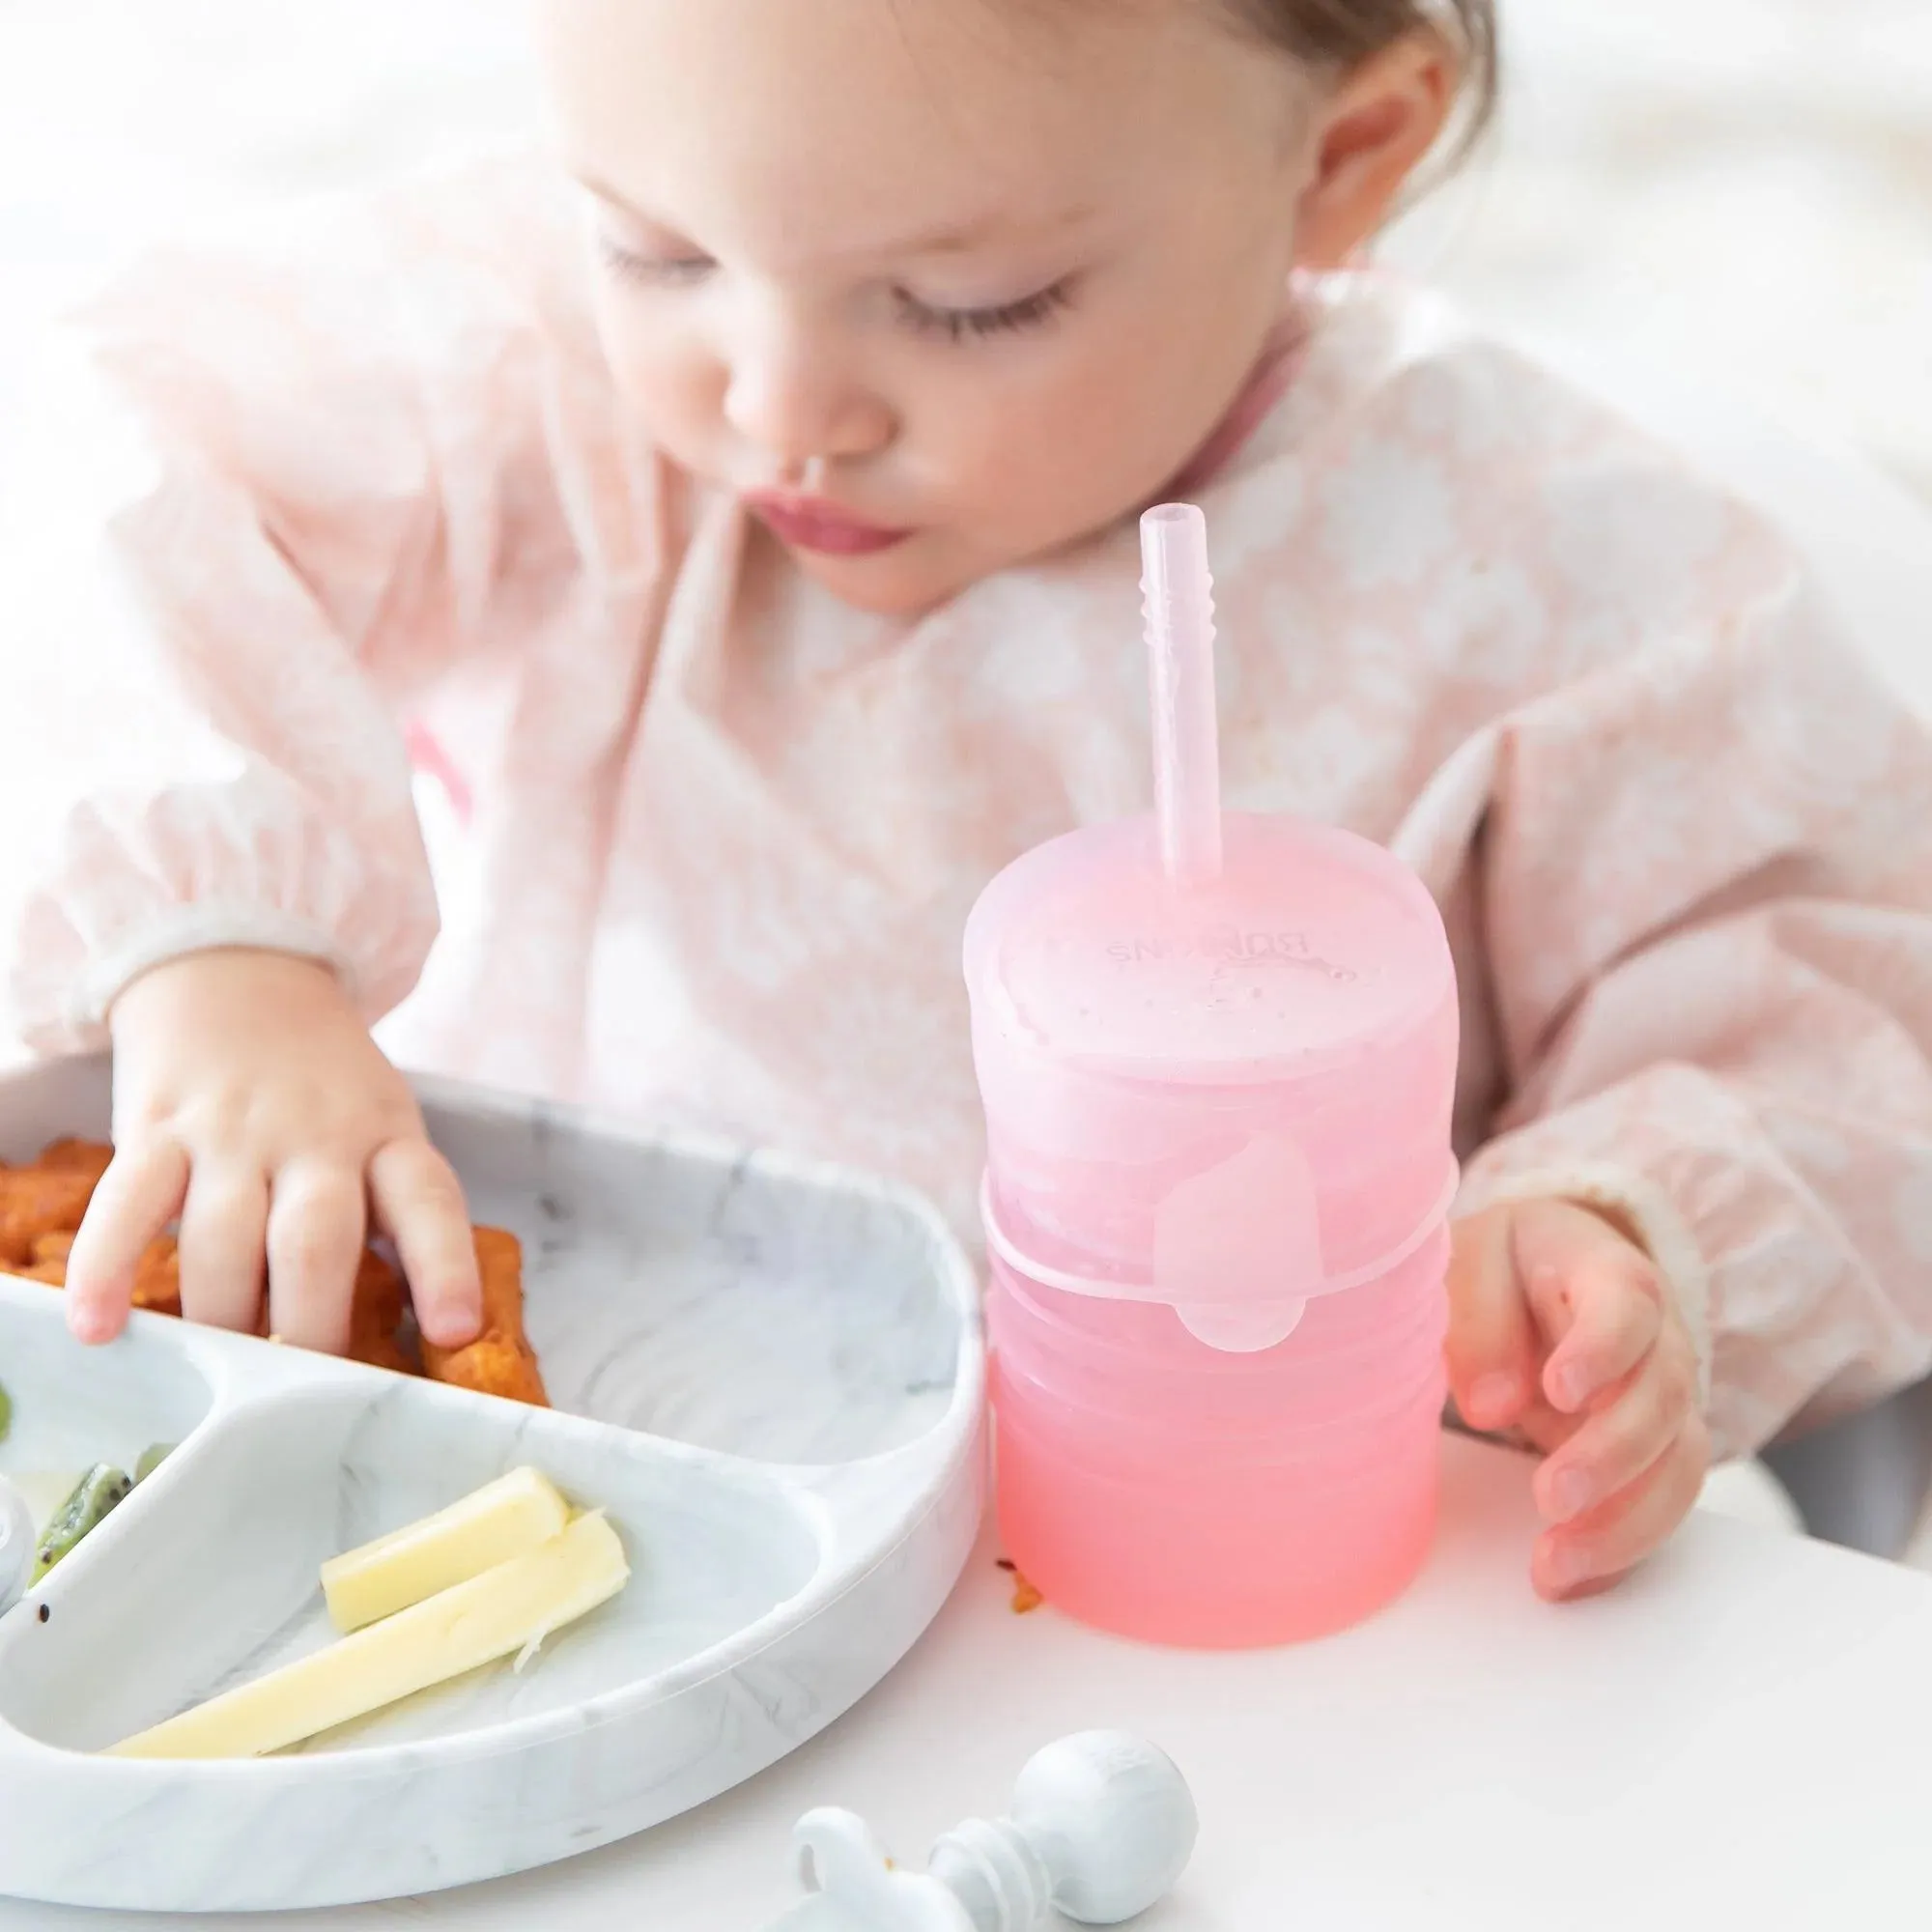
(1370, 134)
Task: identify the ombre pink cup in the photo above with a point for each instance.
(1217, 1054)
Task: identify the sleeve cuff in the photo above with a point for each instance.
(1651, 1217)
(205, 927)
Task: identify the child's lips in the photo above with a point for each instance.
(811, 525)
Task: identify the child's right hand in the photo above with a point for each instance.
(250, 1101)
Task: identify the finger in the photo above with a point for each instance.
(223, 1236)
(418, 1203)
(1623, 1440)
(1603, 1311)
(138, 1196)
(1545, 1428)
(1490, 1350)
(1599, 1548)
(316, 1218)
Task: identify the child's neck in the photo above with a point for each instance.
(1268, 383)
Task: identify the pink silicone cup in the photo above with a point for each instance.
(1217, 1054)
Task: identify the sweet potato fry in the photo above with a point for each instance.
(490, 1366)
(72, 1156)
(46, 1260)
(385, 1351)
(499, 1260)
(36, 1202)
(376, 1313)
(158, 1278)
(501, 1361)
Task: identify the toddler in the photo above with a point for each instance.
(742, 498)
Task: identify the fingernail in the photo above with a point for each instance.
(88, 1325)
(457, 1322)
(1571, 1492)
(1493, 1396)
(1568, 1391)
(1567, 1566)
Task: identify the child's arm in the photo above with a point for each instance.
(1706, 902)
(287, 493)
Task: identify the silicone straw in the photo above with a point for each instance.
(1178, 604)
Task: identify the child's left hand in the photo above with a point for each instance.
(1560, 1326)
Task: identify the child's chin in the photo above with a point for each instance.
(907, 581)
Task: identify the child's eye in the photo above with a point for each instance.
(652, 271)
(956, 324)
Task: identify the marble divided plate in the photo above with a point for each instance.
(770, 1375)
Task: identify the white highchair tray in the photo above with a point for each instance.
(769, 1374)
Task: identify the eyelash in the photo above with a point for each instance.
(952, 325)
(647, 271)
(957, 325)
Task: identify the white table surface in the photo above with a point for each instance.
(1741, 1735)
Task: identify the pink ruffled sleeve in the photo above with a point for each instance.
(1706, 881)
(275, 496)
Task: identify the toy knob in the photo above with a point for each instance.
(16, 1544)
(1112, 1820)
(1102, 1827)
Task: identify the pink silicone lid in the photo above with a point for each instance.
(1311, 947)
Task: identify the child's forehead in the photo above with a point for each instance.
(856, 126)
(977, 226)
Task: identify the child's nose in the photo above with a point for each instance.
(794, 405)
